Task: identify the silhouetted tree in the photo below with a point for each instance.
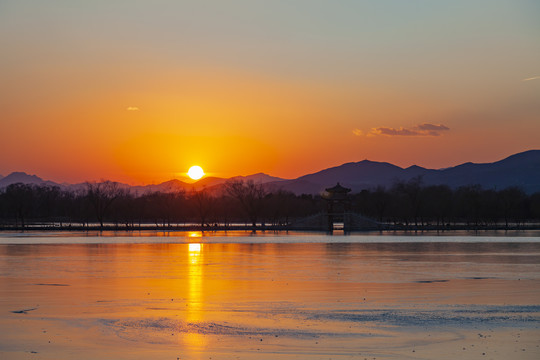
(468, 204)
(203, 204)
(437, 203)
(534, 206)
(408, 202)
(166, 207)
(513, 203)
(280, 206)
(250, 196)
(20, 201)
(101, 196)
(380, 201)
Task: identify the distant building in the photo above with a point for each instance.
(338, 207)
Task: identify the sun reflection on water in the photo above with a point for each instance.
(195, 234)
(194, 313)
(194, 250)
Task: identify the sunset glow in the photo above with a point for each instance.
(228, 86)
(270, 180)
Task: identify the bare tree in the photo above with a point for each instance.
(101, 196)
(203, 204)
(250, 195)
(20, 198)
(513, 201)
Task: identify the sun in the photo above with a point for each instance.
(195, 172)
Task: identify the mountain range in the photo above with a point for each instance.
(522, 170)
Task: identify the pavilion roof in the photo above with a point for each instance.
(338, 189)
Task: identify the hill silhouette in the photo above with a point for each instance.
(521, 170)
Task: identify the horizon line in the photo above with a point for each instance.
(250, 175)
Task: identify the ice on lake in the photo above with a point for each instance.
(269, 296)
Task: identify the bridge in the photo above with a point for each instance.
(346, 221)
(338, 215)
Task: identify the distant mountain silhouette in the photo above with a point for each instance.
(167, 186)
(522, 169)
(259, 178)
(211, 183)
(24, 178)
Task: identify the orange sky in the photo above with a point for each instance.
(136, 92)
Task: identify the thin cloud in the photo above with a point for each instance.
(531, 78)
(388, 131)
(432, 127)
(418, 130)
(132, 108)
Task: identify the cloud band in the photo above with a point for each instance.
(418, 130)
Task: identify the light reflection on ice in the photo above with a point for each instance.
(197, 300)
(194, 303)
(274, 237)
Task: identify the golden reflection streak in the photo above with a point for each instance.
(194, 249)
(194, 234)
(195, 278)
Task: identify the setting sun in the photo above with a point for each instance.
(195, 172)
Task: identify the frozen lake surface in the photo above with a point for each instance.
(269, 296)
(246, 237)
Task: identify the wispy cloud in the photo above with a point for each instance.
(132, 108)
(432, 127)
(418, 130)
(531, 78)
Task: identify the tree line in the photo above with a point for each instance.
(405, 204)
(413, 205)
(106, 203)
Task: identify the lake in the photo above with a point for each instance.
(236, 295)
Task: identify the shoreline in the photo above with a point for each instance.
(262, 228)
